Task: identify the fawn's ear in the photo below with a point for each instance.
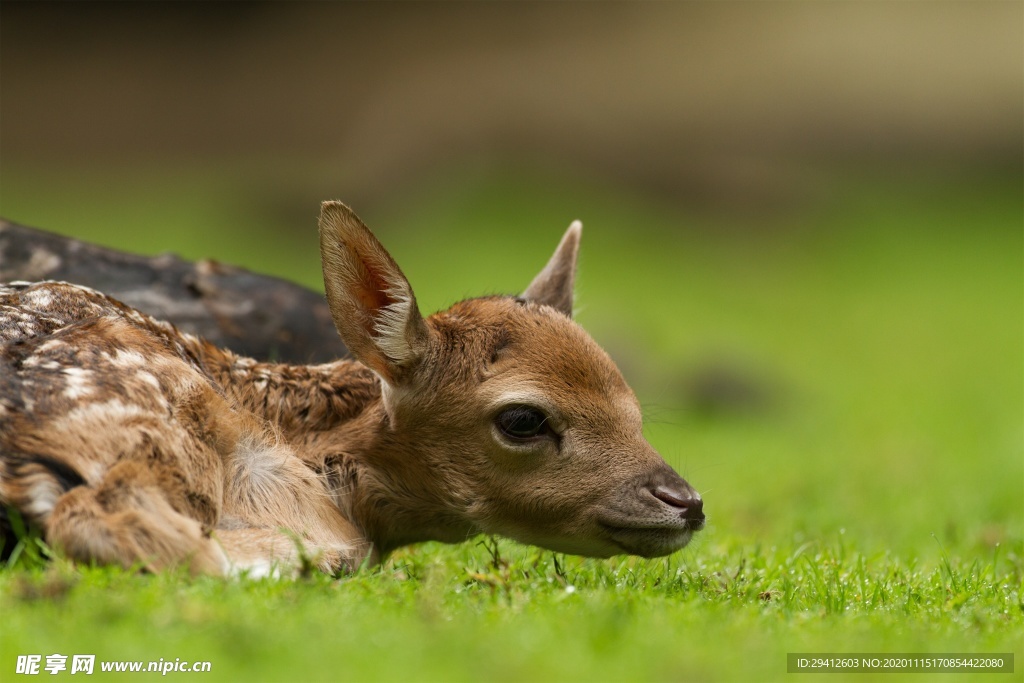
(553, 285)
(372, 303)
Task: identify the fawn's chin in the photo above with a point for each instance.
(644, 542)
(571, 545)
(649, 542)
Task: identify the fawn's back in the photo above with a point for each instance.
(128, 442)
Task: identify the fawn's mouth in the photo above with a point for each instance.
(652, 541)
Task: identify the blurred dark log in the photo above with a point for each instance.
(255, 315)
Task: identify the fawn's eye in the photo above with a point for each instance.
(522, 422)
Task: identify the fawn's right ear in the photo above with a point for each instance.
(372, 303)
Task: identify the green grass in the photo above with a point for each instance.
(729, 612)
(872, 502)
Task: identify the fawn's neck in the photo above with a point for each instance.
(334, 417)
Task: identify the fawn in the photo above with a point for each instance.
(128, 442)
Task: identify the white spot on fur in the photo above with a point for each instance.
(37, 360)
(128, 359)
(51, 345)
(79, 383)
(102, 413)
(43, 497)
(39, 297)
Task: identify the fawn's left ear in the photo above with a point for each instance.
(554, 285)
(372, 304)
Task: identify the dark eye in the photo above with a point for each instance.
(522, 422)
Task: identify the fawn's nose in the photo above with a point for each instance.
(686, 500)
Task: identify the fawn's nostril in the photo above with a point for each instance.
(672, 497)
(689, 503)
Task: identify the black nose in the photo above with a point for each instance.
(687, 501)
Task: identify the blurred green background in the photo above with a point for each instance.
(802, 221)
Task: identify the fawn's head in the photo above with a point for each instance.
(521, 418)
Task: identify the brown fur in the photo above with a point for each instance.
(129, 442)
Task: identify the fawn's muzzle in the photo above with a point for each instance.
(654, 515)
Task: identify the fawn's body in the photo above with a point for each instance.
(128, 442)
